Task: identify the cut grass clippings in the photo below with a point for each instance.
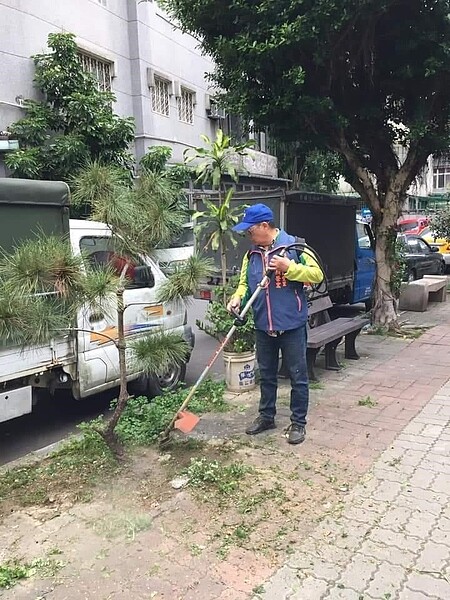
(13, 571)
(70, 474)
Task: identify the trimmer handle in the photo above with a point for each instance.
(238, 319)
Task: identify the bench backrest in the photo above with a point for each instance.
(318, 304)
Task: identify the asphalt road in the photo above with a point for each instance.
(55, 418)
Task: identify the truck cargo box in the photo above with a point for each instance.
(29, 208)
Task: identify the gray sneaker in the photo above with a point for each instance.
(295, 433)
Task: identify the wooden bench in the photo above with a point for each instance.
(330, 335)
(416, 295)
(322, 331)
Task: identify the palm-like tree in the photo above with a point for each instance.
(215, 161)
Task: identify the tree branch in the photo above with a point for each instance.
(363, 183)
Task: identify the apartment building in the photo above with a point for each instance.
(156, 72)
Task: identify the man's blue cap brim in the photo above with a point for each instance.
(242, 226)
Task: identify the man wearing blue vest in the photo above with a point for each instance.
(280, 313)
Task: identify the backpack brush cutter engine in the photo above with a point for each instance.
(184, 420)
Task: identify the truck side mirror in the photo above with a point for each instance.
(143, 276)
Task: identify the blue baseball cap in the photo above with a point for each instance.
(253, 215)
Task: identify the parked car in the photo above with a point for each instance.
(412, 225)
(442, 245)
(421, 258)
(177, 252)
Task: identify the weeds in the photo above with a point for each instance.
(71, 471)
(142, 420)
(258, 589)
(211, 475)
(11, 572)
(233, 537)
(367, 401)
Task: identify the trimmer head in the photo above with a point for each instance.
(186, 421)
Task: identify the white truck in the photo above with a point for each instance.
(84, 361)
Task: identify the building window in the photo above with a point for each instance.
(160, 96)
(186, 106)
(441, 178)
(101, 69)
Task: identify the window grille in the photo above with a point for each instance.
(160, 96)
(100, 69)
(186, 106)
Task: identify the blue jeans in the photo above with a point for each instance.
(292, 344)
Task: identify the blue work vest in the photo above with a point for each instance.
(282, 304)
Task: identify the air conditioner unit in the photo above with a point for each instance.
(150, 77)
(176, 87)
(213, 110)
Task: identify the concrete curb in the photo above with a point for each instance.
(36, 455)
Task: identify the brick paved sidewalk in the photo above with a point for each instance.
(393, 538)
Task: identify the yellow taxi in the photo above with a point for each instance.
(441, 244)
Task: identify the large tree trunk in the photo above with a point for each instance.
(384, 312)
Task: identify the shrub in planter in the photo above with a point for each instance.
(219, 321)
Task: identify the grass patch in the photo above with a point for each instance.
(367, 401)
(71, 472)
(13, 571)
(316, 385)
(126, 525)
(211, 476)
(142, 420)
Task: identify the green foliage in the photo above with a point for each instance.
(399, 265)
(308, 170)
(184, 281)
(305, 70)
(42, 285)
(74, 124)
(12, 571)
(215, 161)
(156, 161)
(212, 475)
(142, 421)
(217, 222)
(149, 214)
(219, 321)
(440, 223)
(156, 353)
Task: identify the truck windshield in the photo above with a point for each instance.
(103, 252)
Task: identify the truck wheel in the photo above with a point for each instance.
(368, 304)
(166, 382)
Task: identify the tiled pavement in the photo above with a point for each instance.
(393, 539)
